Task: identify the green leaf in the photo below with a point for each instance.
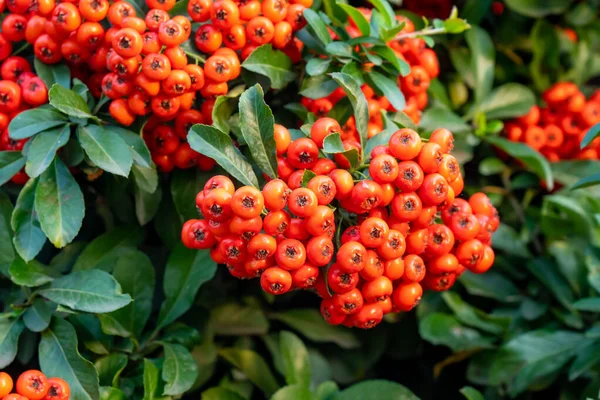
(107, 151)
(389, 88)
(333, 145)
(38, 315)
(256, 123)
(219, 393)
(483, 56)
(588, 181)
(29, 238)
(91, 291)
(185, 272)
(491, 166)
(507, 239)
(296, 363)
(587, 357)
(507, 101)
(358, 101)
(442, 117)
(376, 390)
(221, 113)
(399, 64)
(474, 317)
(310, 323)
(101, 251)
(69, 102)
(43, 149)
(471, 393)
(591, 304)
(456, 25)
(11, 162)
(59, 357)
(545, 271)
(152, 383)
(217, 145)
(326, 390)
(307, 175)
(271, 63)
(59, 204)
(10, 331)
(139, 283)
(444, 329)
(110, 393)
(146, 203)
(532, 159)
(538, 8)
(292, 392)
(110, 367)
(317, 66)
(51, 74)
(253, 366)
(146, 178)
(591, 134)
(137, 146)
(317, 26)
(492, 285)
(185, 185)
(339, 49)
(30, 274)
(233, 320)
(546, 54)
(389, 17)
(35, 120)
(179, 370)
(316, 87)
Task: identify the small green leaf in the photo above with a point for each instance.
(442, 117)
(108, 151)
(492, 285)
(38, 315)
(59, 204)
(389, 88)
(31, 274)
(359, 19)
(185, 185)
(339, 49)
(43, 149)
(358, 101)
(317, 66)
(307, 175)
(10, 331)
(538, 8)
(271, 63)
(137, 145)
(101, 251)
(33, 121)
(253, 366)
(317, 26)
(587, 357)
(315, 87)
(456, 25)
(507, 101)
(536, 162)
(333, 145)
(92, 291)
(60, 358)
(51, 74)
(219, 393)
(591, 134)
(29, 238)
(545, 270)
(474, 317)
(471, 393)
(232, 319)
(387, 13)
(491, 166)
(588, 181)
(145, 178)
(221, 113)
(292, 392)
(444, 329)
(11, 162)
(110, 393)
(179, 370)
(591, 304)
(110, 367)
(399, 64)
(256, 123)
(69, 102)
(483, 57)
(376, 390)
(146, 204)
(217, 145)
(296, 364)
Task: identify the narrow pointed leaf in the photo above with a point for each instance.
(11, 162)
(33, 121)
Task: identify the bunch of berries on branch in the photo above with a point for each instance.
(20, 89)
(33, 385)
(557, 129)
(367, 246)
(424, 67)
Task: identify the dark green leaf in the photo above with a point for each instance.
(317, 25)
(326, 391)
(91, 291)
(358, 101)
(59, 204)
(387, 13)
(315, 87)
(29, 238)
(292, 392)
(474, 317)
(217, 145)
(38, 316)
(399, 64)
(444, 329)
(139, 150)
(471, 393)
(591, 304)
(491, 166)
(51, 74)
(545, 271)
(538, 8)
(376, 390)
(219, 393)
(185, 185)
(507, 101)
(233, 319)
(185, 272)
(442, 117)
(221, 113)
(474, 10)
(10, 331)
(68, 102)
(591, 180)
(101, 250)
(381, 139)
(389, 88)
(73, 153)
(179, 370)
(307, 175)
(253, 366)
(106, 150)
(110, 367)
(310, 323)
(358, 18)
(507, 239)
(30, 274)
(546, 54)
(36, 120)
(587, 357)
(532, 159)
(60, 358)
(339, 49)
(43, 149)
(271, 63)
(146, 204)
(11, 162)
(296, 364)
(256, 123)
(492, 285)
(146, 178)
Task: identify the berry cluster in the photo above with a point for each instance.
(20, 89)
(33, 385)
(424, 67)
(557, 129)
(387, 238)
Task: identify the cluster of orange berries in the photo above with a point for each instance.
(557, 129)
(424, 67)
(404, 228)
(20, 89)
(33, 385)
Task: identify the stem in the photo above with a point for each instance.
(103, 100)
(20, 49)
(195, 57)
(423, 32)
